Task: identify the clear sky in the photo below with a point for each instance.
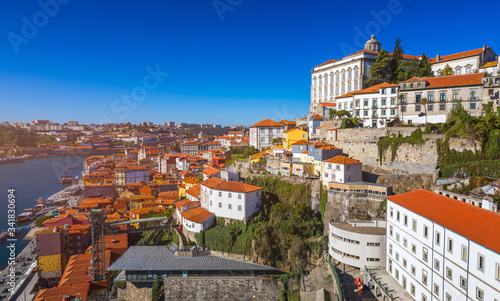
(223, 61)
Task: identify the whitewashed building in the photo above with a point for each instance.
(341, 169)
(263, 132)
(373, 106)
(358, 244)
(227, 199)
(466, 62)
(439, 248)
(338, 77)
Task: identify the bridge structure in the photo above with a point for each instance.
(99, 228)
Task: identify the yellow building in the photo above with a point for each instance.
(137, 200)
(293, 135)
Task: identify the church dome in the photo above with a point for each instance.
(373, 44)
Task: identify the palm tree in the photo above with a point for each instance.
(424, 102)
(401, 98)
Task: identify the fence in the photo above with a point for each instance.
(337, 279)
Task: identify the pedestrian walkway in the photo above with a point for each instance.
(23, 269)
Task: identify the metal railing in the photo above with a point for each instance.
(337, 279)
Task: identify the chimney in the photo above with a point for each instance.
(437, 57)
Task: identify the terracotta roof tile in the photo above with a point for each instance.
(267, 123)
(196, 215)
(477, 224)
(218, 184)
(369, 90)
(449, 81)
(490, 64)
(328, 104)
(455, 56)
(342, 160)
(302, 142)
(317, 117)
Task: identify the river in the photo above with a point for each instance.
(32, 179)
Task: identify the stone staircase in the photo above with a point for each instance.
(318, 286)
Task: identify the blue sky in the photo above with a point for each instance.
(223, 61)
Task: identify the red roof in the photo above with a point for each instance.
(450, 80)
(301, 142)
(218, 184)
(287, 122)
(477, 224)
(317, 117)
(372, 89)
(327, 62)
(328, 104)
(342, 160)
(455, 56)
(196, 215)
(267, 123)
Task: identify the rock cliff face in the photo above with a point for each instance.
(401, 181)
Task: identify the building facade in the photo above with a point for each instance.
(341, 169)
(466, 62)
(439, 248)
(263, 132)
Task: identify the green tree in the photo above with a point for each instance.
(424, 103)
(408, 69)
(347, 123)
(380, 71)
(332, 113)
(39, 221)
(157, 292)
(343, 113)
(446, 71)
(2, 154)
(21, 151)
(397, 59)
(424, 67)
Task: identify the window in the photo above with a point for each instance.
(455, 95)
(425, 255)
(436, 264)
(396, 274)
(397, 236)
(229, 206)
(383, 112)
(473, 95)
(239, 196)
(403, 108)
(390, 266)
(383, 102)
(405, 242)
(424, 277)
(419, 98)
(411, 86)
(365, 103)
(413, 270)
(397, 216)
(414, 224)
(430, 107)
(463, 282)
(464, 253)
(210, 203)
(404, 262)
(490, 92)
(239, 207)
(355, 73)
(479, 293)
(480, 262)
(467, 70)
(404, 86)
(448, 297)
(413, 248)
(393, 90)
(436, 289)
(426, 231)
(412, 289)
(472, 106)
(229, 194)
(449, 273)
(404, 282)
(430, 97)
(382, 91)
(404, 98)
(450, 245)
(393, 101)
(391, 212)
(220, 205)
(390, 231)
(438, 238)
(397, 256)
(393, 112)
(406, 220)
(390, 249)
(220, 193)
(497, 271)
(442, 107)
(442, 96)
(417, 108)
(424, 298)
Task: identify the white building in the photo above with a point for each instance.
(263, 132)
(374, 106)
(358, 244)
(338, 77)
(466, 62)
(439, 248)
(227, 199)
(341, 169)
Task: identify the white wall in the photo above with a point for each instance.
(239, 206)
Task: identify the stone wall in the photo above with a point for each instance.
(136, 291)
(221, 288)
(369, 134)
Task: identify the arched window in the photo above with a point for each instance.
(320, 80)
(349, 87)
(355, 85)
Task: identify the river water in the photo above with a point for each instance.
(32, 179)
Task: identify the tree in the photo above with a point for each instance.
(424, 103)
(424, 67)
(347, 123)
(408, 69)
(2, 154)
(157, 292)
(343, 113)
(380, 71)
(397, 59)
(446, 71)
(332, 113)
(39, 221)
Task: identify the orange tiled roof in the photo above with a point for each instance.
(194, 191)
(196, 215)
(326, 125)
(317, 117)
(287, 122)
(459, 55)
(373, 89)
(291, 130)
(477, 224)
(327, 62)
(490, 64)
(302, 142)
(328, 104)
(342, 160)
(450, 80)
(218, 184)
(267, 123)
(186, 202)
